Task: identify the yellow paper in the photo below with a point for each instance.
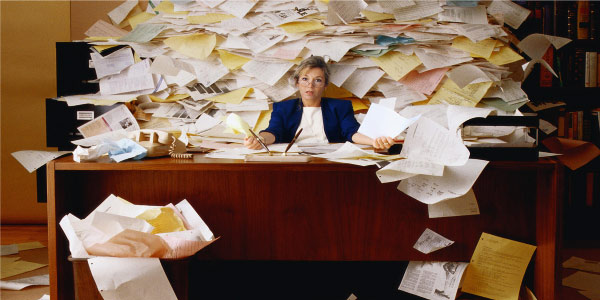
(12, 268)
(233, 97)
(358, 104)
(167, 7)
(497, 268)
(101, 38)
(30, 245)
(237, 125)
(506, 55)
(140, 18)
(375, 16)
(163, 219)
(101, 48)
(232, 61)
(8, 259)
(263, 120)
(171, 98)
(194, 45)
(296, 27)
(469, 96)
(482, 48)
(333, 91)
(397, 64)
(209, 18)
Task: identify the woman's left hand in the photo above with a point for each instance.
(383, 142)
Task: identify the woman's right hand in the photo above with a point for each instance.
(250, 142)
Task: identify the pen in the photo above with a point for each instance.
(292, 142)
(260, 141)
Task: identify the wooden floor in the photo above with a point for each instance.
(11, 234)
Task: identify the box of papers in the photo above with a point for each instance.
(177, 271)
(502, 137)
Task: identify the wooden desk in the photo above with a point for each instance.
(313, 211)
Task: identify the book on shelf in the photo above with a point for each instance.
(583, 19)
(591, 69)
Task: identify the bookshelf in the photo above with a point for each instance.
(578, 87)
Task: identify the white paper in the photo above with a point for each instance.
(406, 168)
(467, 74)
(514, 15)
(143, 33)
(281, 90)
(457, 181)
(112, 63)
(207, 72)
(333, 49)
(477, 32)
(339, 73)
(535, 46)
(288, 15)
(135, 78)
(431, 241)
(131, 278)
(457, 115)
(116, 119)
(267, 72)
(510, 91)
(465, 205)
(19, 284)
(471, 15)
(381, 121)
(32, 159)
(434, 60)
(238, 8)
(547, 127)
(101, 138)
(426, 140)
(344, 10)
(421, 9)
(119, 14)
(259, 41)
(361, 81)
(248, 105)
(433, 280)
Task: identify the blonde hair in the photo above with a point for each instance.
(309, 63)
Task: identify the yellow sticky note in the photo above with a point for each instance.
(358, 104)
(375, 16)
(233, 97)
(209, 18)
(167, 7)
(506, 55)
(30, 245)
(482, 48)
(196, 45)
(333, 91)
(163, 219)
(140, 18)
(296, 27)
(451, 93)
(497, 268)
(11, 268)
(232, 61)
(397, 64)
(263, 120)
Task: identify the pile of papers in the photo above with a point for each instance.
(188, 64)
(123, 243)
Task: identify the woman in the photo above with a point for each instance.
(323, 120)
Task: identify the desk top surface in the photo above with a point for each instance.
(200, 162)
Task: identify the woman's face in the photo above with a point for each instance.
(311, 84)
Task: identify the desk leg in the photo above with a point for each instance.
(51, 207)
(548, 232)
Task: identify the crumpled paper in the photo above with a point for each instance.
(112, 229)
(575, 153)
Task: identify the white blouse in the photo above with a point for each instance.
(313, 131)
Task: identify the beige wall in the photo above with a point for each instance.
(29, 31)
(28, 77)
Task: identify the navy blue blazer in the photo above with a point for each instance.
(338, 120)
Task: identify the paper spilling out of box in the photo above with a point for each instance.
(118, 233)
